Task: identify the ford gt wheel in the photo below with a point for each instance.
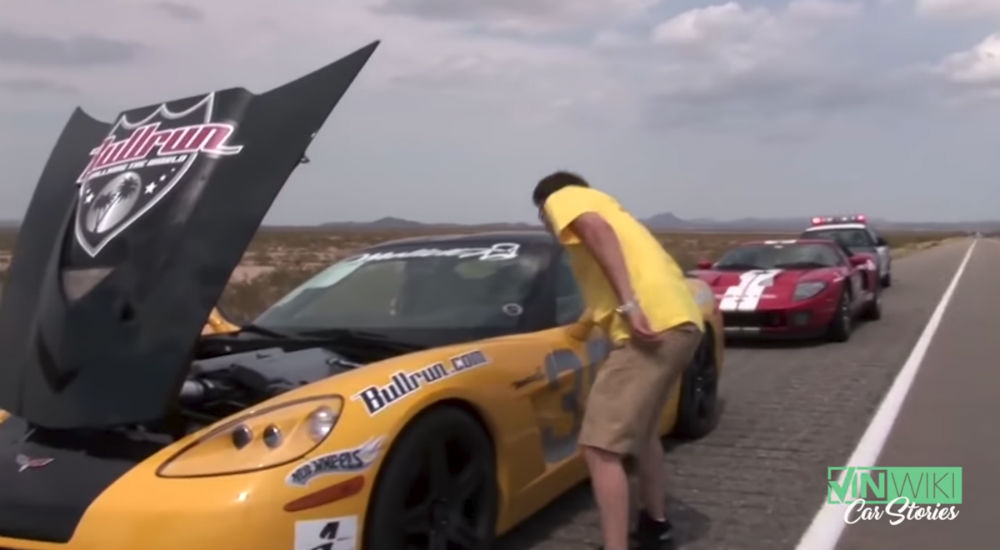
(697, 412)
(840, 326)
(437, 489)
(873, 309)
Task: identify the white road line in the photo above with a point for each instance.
(826, 527)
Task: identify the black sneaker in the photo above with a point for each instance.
(654, 535)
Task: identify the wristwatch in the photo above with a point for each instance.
(627, 307)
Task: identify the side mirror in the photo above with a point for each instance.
(881, 241)
(704, 264)
(860, 260)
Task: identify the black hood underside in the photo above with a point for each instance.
(131, 235)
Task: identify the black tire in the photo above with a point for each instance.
(886, 280)
(698, 410)
(842, 323)
(438, 487)
(873, 310)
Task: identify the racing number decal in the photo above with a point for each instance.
(557, 447)
(746, 295)
(573, 402)
(327, 534)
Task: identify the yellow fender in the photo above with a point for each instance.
(218, 324)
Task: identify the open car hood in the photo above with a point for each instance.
(130, 238)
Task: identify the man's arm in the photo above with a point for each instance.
(599, 237)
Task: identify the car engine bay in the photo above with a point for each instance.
(219, 386)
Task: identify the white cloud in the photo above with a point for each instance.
(450, 112)
(727, 52)
(975, 73)
(820, 10)
(527, 16)
(611, 39)
(957, 9)
(259, 50)
(731, 26)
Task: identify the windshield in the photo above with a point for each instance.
(416, 287)
(780, 256)
(851, 238)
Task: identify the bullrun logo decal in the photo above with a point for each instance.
(139, 162)
(402, 384)
(496, 252)
(350, 460)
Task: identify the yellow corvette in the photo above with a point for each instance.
(423, 393)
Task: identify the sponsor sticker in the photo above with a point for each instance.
(327, 534)
(358, 459)
(377, 398)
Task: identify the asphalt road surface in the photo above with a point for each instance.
(949, 418)
(791, 411)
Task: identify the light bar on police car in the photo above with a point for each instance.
(820, 220)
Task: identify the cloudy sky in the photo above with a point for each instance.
(732, 109)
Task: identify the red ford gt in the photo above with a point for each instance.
(793, 288)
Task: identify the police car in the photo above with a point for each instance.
(854, 233)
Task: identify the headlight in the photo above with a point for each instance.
(808, 289)
(3, 415)
(257, 440)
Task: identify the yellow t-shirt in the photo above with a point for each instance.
(659, 284)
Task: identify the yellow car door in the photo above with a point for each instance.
(568, 369)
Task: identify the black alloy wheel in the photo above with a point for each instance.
(438, 488)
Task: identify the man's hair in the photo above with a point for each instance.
(554, 182)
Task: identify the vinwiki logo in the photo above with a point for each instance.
(895, 494)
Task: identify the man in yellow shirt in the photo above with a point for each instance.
(636, 292)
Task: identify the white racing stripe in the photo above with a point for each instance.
(828, 524)
(746, 295)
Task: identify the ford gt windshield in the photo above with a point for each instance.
(477, 289)
(779, 256)
(854, 239)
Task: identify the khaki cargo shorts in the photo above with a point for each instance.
(626, 402)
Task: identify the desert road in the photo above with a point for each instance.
(791, 411)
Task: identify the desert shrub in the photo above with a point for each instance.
(900, 239)
(243, 301)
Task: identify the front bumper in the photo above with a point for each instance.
(141, 510)
(804, 319)
(203, 514)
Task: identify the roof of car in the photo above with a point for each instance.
(523, 236)
(836, 226)
(787, 241)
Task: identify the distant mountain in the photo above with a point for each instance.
(387, 222)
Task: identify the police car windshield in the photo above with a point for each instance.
(422, 287)
(849, 237)
(779, 256)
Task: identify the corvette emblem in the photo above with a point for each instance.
(26, 462)
(140, 162)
